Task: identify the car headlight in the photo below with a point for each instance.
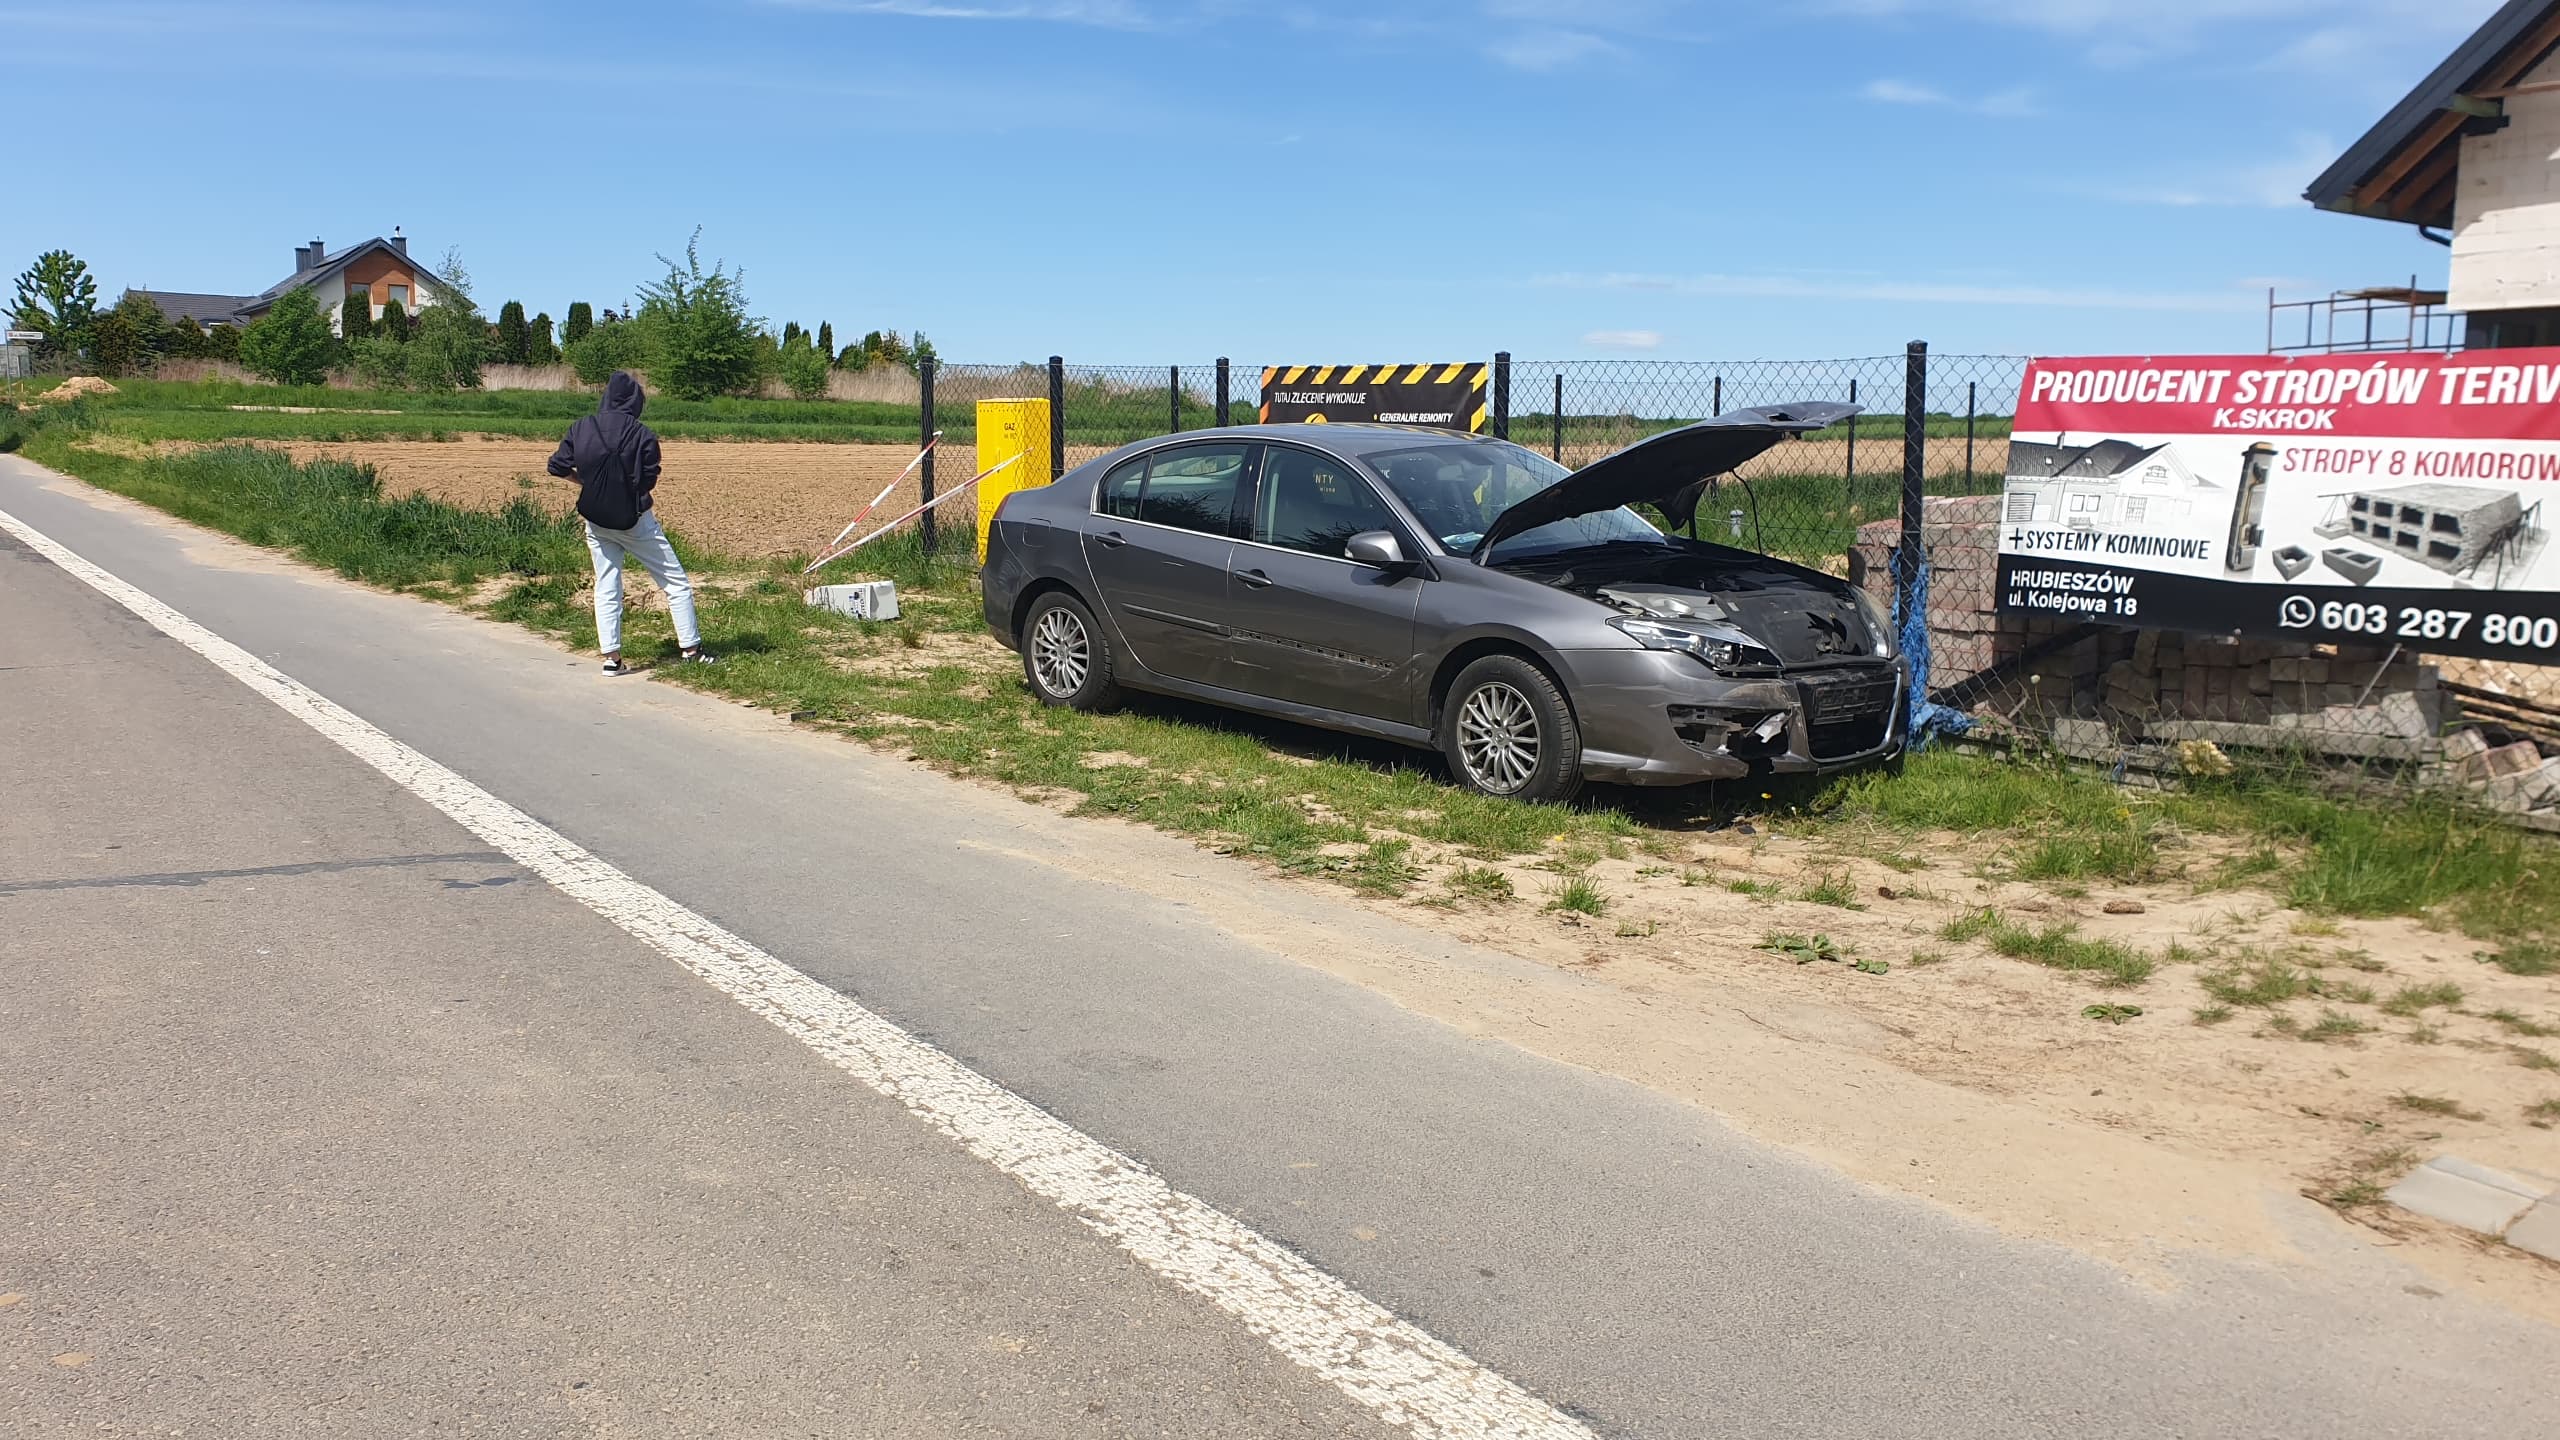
(1725, 650)
(1879, 623)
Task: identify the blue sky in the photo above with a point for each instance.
(1158, 181)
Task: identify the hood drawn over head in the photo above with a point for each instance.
(623, 396)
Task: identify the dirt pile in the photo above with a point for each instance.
(77, 386)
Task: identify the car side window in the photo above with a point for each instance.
(1193, 487)
(1314, 503)
(1120, 490)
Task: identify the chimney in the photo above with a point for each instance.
(301, 259)
(399, 241)
(317, 250)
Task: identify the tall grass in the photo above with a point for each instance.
(333, 513)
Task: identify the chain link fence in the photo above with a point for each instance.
(1905, 501)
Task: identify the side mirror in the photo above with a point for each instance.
(1376, 547)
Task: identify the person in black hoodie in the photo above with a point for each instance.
(614, 459)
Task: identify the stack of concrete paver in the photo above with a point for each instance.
(2523, 1210)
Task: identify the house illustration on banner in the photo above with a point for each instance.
(2105, 485)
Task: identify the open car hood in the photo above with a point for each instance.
(1655, 469)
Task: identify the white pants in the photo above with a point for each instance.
(646, 543)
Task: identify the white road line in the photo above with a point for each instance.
(1393, 1368)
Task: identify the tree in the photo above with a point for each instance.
(581, 320)
(58, 296)
(704, 338)
(791, 331)
(827, 340)
(125, 340)
(394, 322)
(289, 344)
(187, 340)
(515, 339)
(921, 351)
(538, 347)
(355, 317)
(222, 342)
(450, 342)
(804, 368)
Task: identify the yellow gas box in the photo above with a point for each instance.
(1007, 429)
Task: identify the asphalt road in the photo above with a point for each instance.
(323, 1118)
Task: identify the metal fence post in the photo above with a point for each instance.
(1223, 412)
(1719, 397)
(1174, 396)
(1915, 450)
(1057, 416)
(1968, 436)
(1851, 475)
(1559, 418)
(1501, 394)
(924, 411)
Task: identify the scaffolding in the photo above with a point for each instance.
(2358, 322)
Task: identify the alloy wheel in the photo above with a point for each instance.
(1061, 652)
(1498, 737)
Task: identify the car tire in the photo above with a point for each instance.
(1508, 733)
(1066, 660)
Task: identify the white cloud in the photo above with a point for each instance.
(1624, 339)
(1897, 92)
(1820, 287)
(1107, 14)
(2328, 35)
(2275, 183)
(2004, 104)
(1544, 49)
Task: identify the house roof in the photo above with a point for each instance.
(203, 309)
(2403, 168)
(331, 264)
(2029, 459)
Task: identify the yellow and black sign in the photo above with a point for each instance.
(1451, 397)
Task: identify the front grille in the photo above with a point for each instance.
(1847, 714)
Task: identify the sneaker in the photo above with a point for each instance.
(615, 666)
(700, 657)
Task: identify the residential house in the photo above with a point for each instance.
(379, 269)
(2471, 158)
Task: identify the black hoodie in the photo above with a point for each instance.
(613, 456)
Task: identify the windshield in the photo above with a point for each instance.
(1458, 487)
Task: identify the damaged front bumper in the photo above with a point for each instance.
(1650, 717)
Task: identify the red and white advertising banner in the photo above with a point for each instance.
(2404, 498)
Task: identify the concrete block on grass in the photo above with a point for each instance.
(2539, 1230)
(2457, 1192)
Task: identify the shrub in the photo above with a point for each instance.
(605, 349)
(538, 348)
(804, 369)
(222, 342)
(706, 341)
(582, 318)
(187, 339)
(355, 317)
(125, 340)
(289, 344)
(450, 342)
(394, 321)
(381, 361)
(515, 338)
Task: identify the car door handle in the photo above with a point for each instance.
(1254, 578)
(1111, 538)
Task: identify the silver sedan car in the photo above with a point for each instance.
(1451, 592)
